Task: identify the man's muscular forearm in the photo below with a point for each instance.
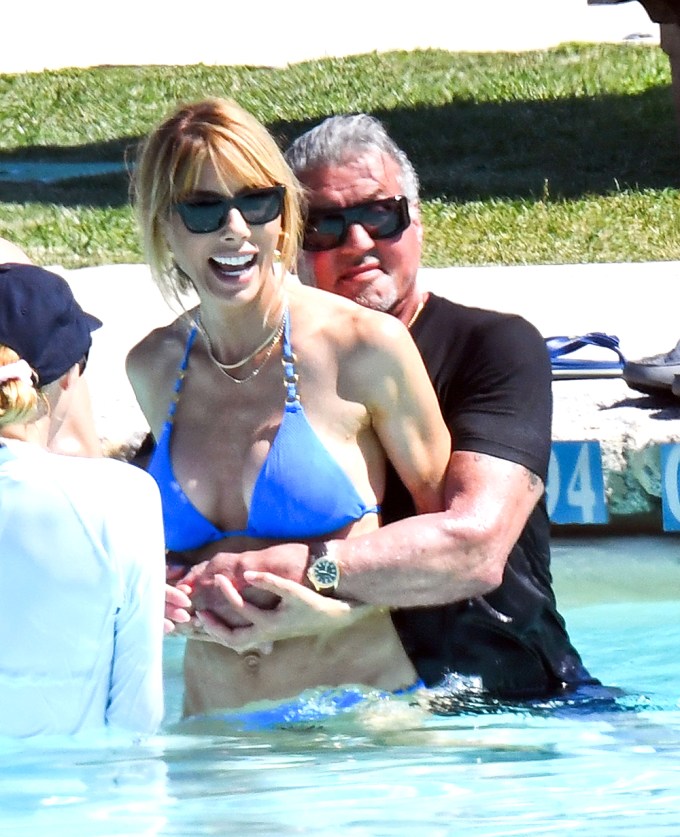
(428, 559)
(449, 556)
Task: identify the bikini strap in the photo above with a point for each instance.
(288, 359)
(181, 373)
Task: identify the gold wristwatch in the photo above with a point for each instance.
(323, 570)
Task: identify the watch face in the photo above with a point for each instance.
(325, 572)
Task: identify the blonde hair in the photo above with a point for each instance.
(20, 401)
(169, 166)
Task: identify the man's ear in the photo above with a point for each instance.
(305, 269)
(70, 377)
(416, 221)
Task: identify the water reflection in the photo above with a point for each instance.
(54, 171)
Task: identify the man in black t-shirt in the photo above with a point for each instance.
(496, 617)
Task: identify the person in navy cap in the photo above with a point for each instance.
(81, 540)
(77, 435)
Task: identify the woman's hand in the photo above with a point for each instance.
(178, 608)
(300, 612)
(282, 560)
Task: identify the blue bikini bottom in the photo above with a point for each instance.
(310, 707)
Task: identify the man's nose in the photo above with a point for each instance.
(358, 237)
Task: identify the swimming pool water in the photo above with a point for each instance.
(389, 767)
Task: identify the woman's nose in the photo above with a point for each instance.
(235, 225)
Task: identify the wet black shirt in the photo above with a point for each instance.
(492, 376)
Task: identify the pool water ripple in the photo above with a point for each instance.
(388, 767)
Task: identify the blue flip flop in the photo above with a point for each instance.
(589, 364)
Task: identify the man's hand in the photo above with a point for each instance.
(208, 593)
(300, 612)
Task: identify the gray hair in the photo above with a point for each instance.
(340, 138)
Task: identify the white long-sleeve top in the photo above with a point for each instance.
(82, 589)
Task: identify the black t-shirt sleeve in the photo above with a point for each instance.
(505, 408)
(494, 382)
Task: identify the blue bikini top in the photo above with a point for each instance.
(300, 493)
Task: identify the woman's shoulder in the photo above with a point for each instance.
(345, 318)
(161, 345)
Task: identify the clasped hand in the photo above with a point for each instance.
(220, 600)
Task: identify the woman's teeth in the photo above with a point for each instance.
(234, 263)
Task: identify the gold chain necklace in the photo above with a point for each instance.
(271, 341)
(416, 313)
(245, 360)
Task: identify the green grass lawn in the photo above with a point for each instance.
(565, 155)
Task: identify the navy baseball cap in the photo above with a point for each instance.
(41, 320)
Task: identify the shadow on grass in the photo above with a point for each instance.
(104, 190)
(463, 150)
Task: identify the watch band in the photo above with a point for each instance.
(323, 570)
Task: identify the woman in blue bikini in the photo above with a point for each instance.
(275, 406)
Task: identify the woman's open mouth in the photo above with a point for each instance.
(233, 266)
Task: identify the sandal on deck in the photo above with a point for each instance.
(592, 355)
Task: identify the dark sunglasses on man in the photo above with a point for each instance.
(206, 213)
(326, 229)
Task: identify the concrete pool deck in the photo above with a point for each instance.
(627, 300)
